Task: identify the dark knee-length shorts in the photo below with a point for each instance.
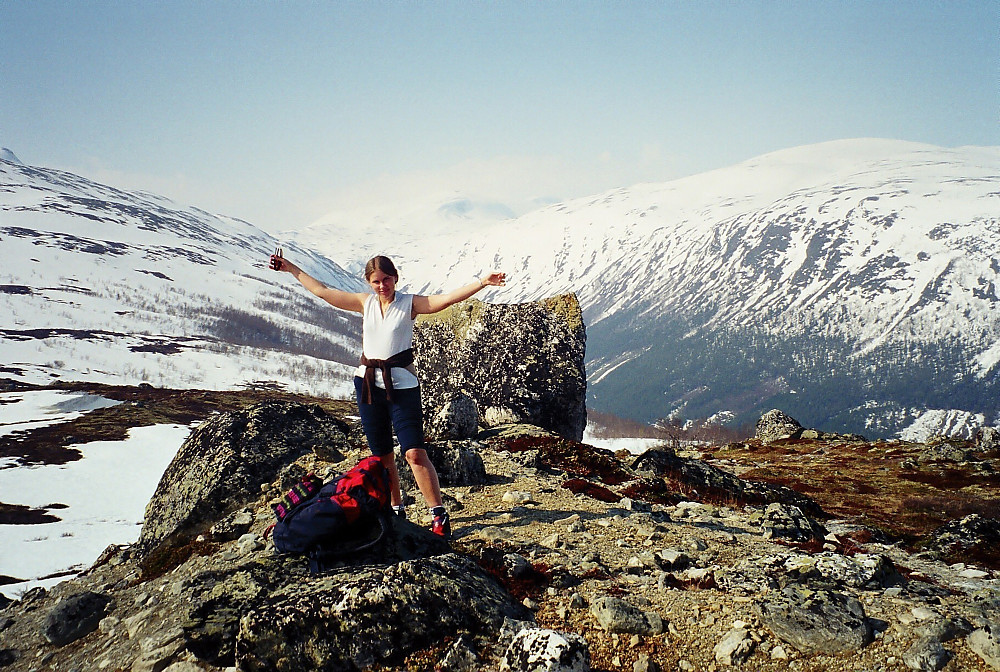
(382, 416)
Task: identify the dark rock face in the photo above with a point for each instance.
(788, 522)
(455, 462)
(222, 464)
(973, 535)
(519, 363)
(711, 483)
(75, 617)
(399, 608)
(220, 599)
(775, 425)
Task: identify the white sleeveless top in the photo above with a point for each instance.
(384, 336)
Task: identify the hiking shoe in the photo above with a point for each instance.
(399, 511)
(441, 525)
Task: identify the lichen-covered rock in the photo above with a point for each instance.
(735, 647)
(987, 439)
(926, 655)
(815, 620)
(542, 650)
(519, 363)
(221, 466)
(775, 425)
(986, 644)
(374, 615)
(861, 570)
(457, 419)
(616, 615)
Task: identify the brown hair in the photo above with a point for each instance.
(383, 264)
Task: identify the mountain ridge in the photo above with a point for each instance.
(110, 285)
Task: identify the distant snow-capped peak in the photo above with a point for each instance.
(7, 155)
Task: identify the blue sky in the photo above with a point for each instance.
(278, 112)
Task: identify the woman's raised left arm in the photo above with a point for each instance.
(425, 305)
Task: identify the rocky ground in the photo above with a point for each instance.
(663, 564)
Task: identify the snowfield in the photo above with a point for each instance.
(104, 494)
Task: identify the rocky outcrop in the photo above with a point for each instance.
(708, 482)
(458, 418)
(988, 439)
(520, 363)
(221, 466)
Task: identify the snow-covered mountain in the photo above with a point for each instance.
(114, 286)
(852, 284)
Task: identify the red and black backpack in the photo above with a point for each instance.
(319, 520)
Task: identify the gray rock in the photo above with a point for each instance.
(220, 467)
(857, 571)
(314, 622)
(947, 450)
(74, 617)
(541, 650)
(926, 655)
(944, 629)
(786, 521)
(775, 425)
(644, 664)
(519, 363)
(618, 616)
(460, 656)
(816, 621)
(706, 480)
(457, 463)
(232, 526)
(458, 418)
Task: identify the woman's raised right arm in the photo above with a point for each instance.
(354, 302)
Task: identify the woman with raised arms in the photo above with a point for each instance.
(391, 400)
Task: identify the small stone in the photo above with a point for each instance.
(551, 541)
(735, 647)
(516, 497)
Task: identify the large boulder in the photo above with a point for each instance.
(376, 615)
(519, 363)
(775, 425)
(222, 465)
